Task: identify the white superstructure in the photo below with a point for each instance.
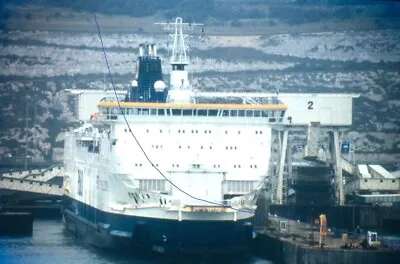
(210, 151)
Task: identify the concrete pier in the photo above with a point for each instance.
(289, 251)
(293, 242)
(14, 223)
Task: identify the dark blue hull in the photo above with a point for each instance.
(127, 233)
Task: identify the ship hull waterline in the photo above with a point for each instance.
(157, 235)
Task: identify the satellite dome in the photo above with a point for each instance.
(159, 86)
(134, 83)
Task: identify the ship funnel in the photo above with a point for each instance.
(154, 50)
(141, 50)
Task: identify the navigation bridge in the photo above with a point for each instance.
(31, 184)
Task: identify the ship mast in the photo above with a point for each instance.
(179, 87)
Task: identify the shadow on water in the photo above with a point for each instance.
(153, 258)
(189, 259)
(51, 243)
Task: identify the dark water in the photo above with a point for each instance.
(50, 243)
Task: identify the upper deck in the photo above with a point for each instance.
(300, 109)
(272, 112)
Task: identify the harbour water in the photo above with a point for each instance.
(51, 243)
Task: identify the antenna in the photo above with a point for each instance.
(179, 56)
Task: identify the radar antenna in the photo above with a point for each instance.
(179, 56)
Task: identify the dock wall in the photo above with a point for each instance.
(343, 217)
(289, 252)
(12, 223)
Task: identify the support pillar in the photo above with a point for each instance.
(282, 157)
(338, 167)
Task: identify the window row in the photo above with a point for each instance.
(201, 147)
(137, 197)
(174, 165)
(251, 166)
(113, 111)
(196, 131)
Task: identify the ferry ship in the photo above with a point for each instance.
(165, 170)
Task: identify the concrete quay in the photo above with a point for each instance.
(293, 242)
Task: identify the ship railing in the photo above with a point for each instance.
(177, 203)
(220, 203)
(112, 99)
(274, 116)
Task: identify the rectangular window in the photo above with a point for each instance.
(249, 113)
(264, 113)
(187, 112)
(153, 112)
